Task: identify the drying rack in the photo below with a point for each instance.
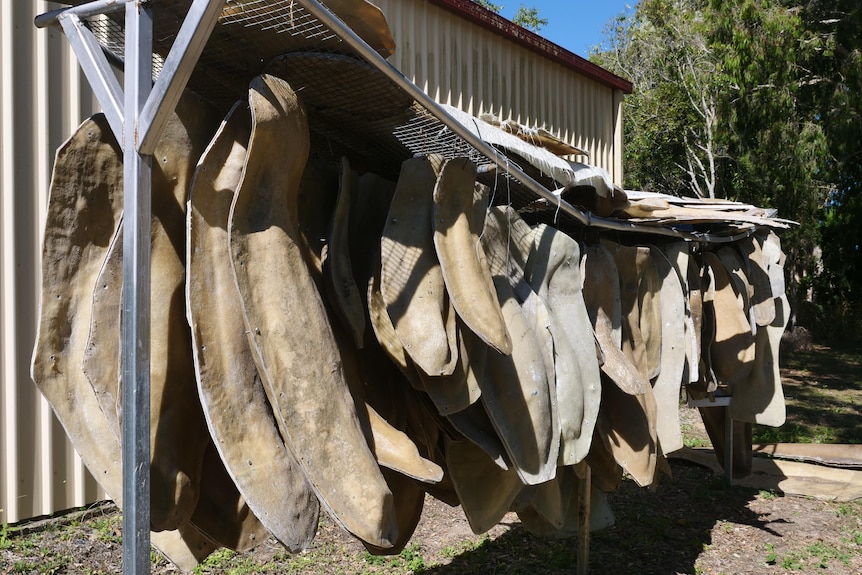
(375, 116)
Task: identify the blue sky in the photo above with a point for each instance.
(576, 25)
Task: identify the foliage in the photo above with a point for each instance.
(529, 18)
(490, 6)
(525, 16)
(758, 101)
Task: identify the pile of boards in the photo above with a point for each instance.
(323, 338)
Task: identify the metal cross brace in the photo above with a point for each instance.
(137, 114)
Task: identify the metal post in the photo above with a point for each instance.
(728, 445)
(135, 335)
(585, 495)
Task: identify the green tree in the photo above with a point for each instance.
(490, 6)
(673, 142)
(759, 101)
(529, 18)
(833, 89)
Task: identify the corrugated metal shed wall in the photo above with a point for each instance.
(43, 98)
(462, 64)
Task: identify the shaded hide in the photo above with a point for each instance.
(345, 297)
(83, 216)
(627, 426)
(411, 281)
(485, 491)
(553, 270)
(221, 513)
(602, 300)
(731, 353)
(462, 258)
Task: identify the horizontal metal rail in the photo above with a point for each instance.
(88, 10)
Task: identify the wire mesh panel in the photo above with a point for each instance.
(355, 110)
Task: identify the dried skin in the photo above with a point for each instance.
(601, 296)
(221, 513)
(732, 350)
(649, 313)
(238, 414)
(83, 215)
(630, 262)
(485, 491)
(101, 362)
(289, 331)
(315, 203)
(411, 281)
(667, 385)
(760, 399)
(757, 268)
(627, 426)
(456, 392)
(462, 259)
(347, 301)
(553, 270)
(516, 395)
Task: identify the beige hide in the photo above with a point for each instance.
(602, 299)
(175, 411)
(666, 386)
(411, 281)
(550, 503)
(760, 399)
(627, 426)
(518, 389)
(289, 331)
(474, 423)
(736, 268)
(485, 491)
(757, 270)
(461, 389)
(237, 412)
(102, 356)
(732, 350)
(630, 262)
(83, 215)
(553, 270)
(650, 314)
(462, 258)
(345, 297)
(221, 513)
(517, 396)
(679, 257)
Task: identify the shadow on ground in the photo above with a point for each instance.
(657, 532)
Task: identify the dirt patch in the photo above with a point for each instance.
(692, 523)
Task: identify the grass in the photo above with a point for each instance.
(5, 542)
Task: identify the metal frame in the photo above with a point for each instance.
(721, 400)
(137, 114)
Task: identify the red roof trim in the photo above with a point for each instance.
(494, 22)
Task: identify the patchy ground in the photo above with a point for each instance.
(691, 524)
